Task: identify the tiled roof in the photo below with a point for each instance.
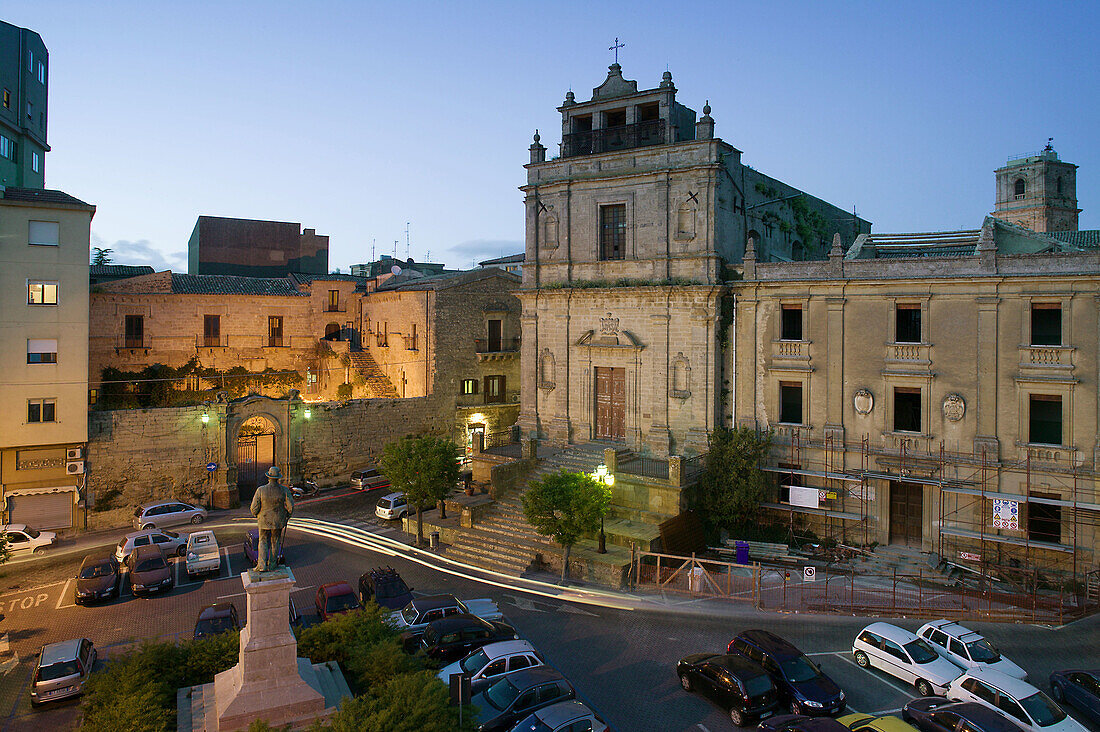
(1088, 238)
(188, 284)
(120, 270)
(930, 244)
(305, 279)
(510, 259)
(41, 195)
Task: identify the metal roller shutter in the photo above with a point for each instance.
(43, 511)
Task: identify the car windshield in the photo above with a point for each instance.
(983, 651)
(393, 588)
(97, 570)
(212, 626)
(920, 651)
(800, 669)
(1042, 710)
(475, 662)
(384, 503)
(758, 685)
(340, 603)
(408, 614)
(150, 565)
(533, 724)
(58, 670)
(501, 694)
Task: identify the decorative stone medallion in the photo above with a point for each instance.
(954, 407)
(609, 326)
(863, 402)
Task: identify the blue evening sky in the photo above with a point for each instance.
(354, 118)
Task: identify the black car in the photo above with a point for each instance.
(515, 696)
(385, 586)
(97, 579)
(732, 681)
(217, 618)
(251, 541)
(1081, 689)
(936, 714)
(800, 723)
(802, 687)
(450, 639)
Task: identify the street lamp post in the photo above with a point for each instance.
(608, 479)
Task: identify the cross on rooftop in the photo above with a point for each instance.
(616, 48)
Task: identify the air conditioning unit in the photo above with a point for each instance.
(74, 467)
(74, 453)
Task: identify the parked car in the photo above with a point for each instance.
(871, 723)
(251, 544)
(169, 541)
(61, 670)
(217, 618)
(335, 598)
(1018, 700)
(98, 578)
(564, 716)
(415, 616)
(392, 506)
(800, 723)
(517, 695)
(22, 539)
(731, 681)
(368, 479)
(967, 649)
(203, 553)
(905, 656)
(1080, 689)
(800, 683)
(447, 639)
(492, 662)
(932, 714)
(385, 586)
(167, 513)
(149, 571)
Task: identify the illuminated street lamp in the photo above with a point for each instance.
(606, 478)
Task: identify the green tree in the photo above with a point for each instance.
(367, 649)
(5, 548)
(731, 488)
(102, 256)
(565, 506)
(425, 468)
(407, 703)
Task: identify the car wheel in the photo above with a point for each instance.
(196, 519)
(1056, 692)
(924, 688)
(685, 682)
(39, 551)
(182, 551)
(795, 708)
(861, 659)
(737, 717)
(148, 526)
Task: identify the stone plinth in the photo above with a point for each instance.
(267, 683)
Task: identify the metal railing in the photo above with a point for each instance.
(338, 308)
(505, 345)
(218, 341)
(693, 466)
(624, 137)
(131, 341)
(648, 467)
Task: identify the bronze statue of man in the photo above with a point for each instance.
(272, 505)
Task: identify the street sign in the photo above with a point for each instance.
(809, 574)
(970, 556)
(211, 467)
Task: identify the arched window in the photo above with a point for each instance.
(332, 332)
(1020, 187)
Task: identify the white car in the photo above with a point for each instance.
(905, 656)
(565, 716)
(1018, 700)
(493, 661)
(22, 538)
(393, 506)
(967, 649)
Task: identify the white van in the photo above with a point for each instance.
(905, 656)
(1018, 700)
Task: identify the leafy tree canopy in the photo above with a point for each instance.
(565, 506)
(101, 256)
(425, 468)
(731, 488)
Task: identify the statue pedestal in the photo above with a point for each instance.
(269, 682)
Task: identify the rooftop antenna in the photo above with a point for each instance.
(406, 240)
(616, 48)
(395, 248)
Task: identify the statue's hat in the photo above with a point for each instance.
(274, 472)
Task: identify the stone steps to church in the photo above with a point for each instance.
(519, 537)
(489, 561)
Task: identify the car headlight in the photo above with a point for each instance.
(813, 704)
(138, 587)
(842, 696)
(83, 593)
(166, 580)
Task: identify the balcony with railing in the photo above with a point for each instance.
(131, 341)
(211, 341)
(609, 139)
(909, 353)
(491, 349)
(1055, 357)
(791, 350)
(341, 307)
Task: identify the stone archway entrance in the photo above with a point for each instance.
(255, 454)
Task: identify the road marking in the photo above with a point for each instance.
(700, 726)
(886, 681)
(826, 653)
(34, 589)
(523, 603)
(228, 566)
(64, 592)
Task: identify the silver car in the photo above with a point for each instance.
(169, 541)
(61, 670)
(167, 513)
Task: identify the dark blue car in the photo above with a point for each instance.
(1079, 689)
(936, 714)
(802, 686)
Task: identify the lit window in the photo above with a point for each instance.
(42, 350)
(41, 293)
(43, 233)
(42, 410)
(35, 162)
(469, 386)
(7, 99)
(7, 147)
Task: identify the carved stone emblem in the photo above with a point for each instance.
(609, 325)
(863, 402)
(954, 407)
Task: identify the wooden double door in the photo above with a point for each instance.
(610, 403)
(906, 513)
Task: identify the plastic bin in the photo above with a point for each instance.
(695, 579)
(741, 549)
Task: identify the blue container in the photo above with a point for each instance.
(742, 549)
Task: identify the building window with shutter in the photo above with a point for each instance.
(211, 330)
(42, 350)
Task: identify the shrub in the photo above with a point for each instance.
(368, 651)
(417, 702)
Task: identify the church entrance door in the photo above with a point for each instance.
(906, 513)
(610, 403)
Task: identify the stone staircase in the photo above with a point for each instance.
(905, 560)
(378, 384)
(503, 541)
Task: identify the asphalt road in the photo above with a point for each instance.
(621, 661)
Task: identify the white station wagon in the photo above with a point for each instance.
(905, 656)
(1018, 700)
(492, 662)
(967, 649)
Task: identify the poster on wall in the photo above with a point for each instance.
(805, 497)
(1006, 514)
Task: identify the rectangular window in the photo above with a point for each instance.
(35, 162)
(907, 324)
(1045, 419)
(469, 386)
(212, 330)
(43, 233)
(7, 148)
(41, 72)
(790, 402)
(792, 323)
(41, 410)
(7, 99)
(1044, 522)
(907, 409)
(135, 331)
(1046, 324)
(30, 60)
(41, 292)
(30, 110)
(42, 350)
(494, 389)
(275, 331)
(613, 231)
(333, 300)
(495, 336)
